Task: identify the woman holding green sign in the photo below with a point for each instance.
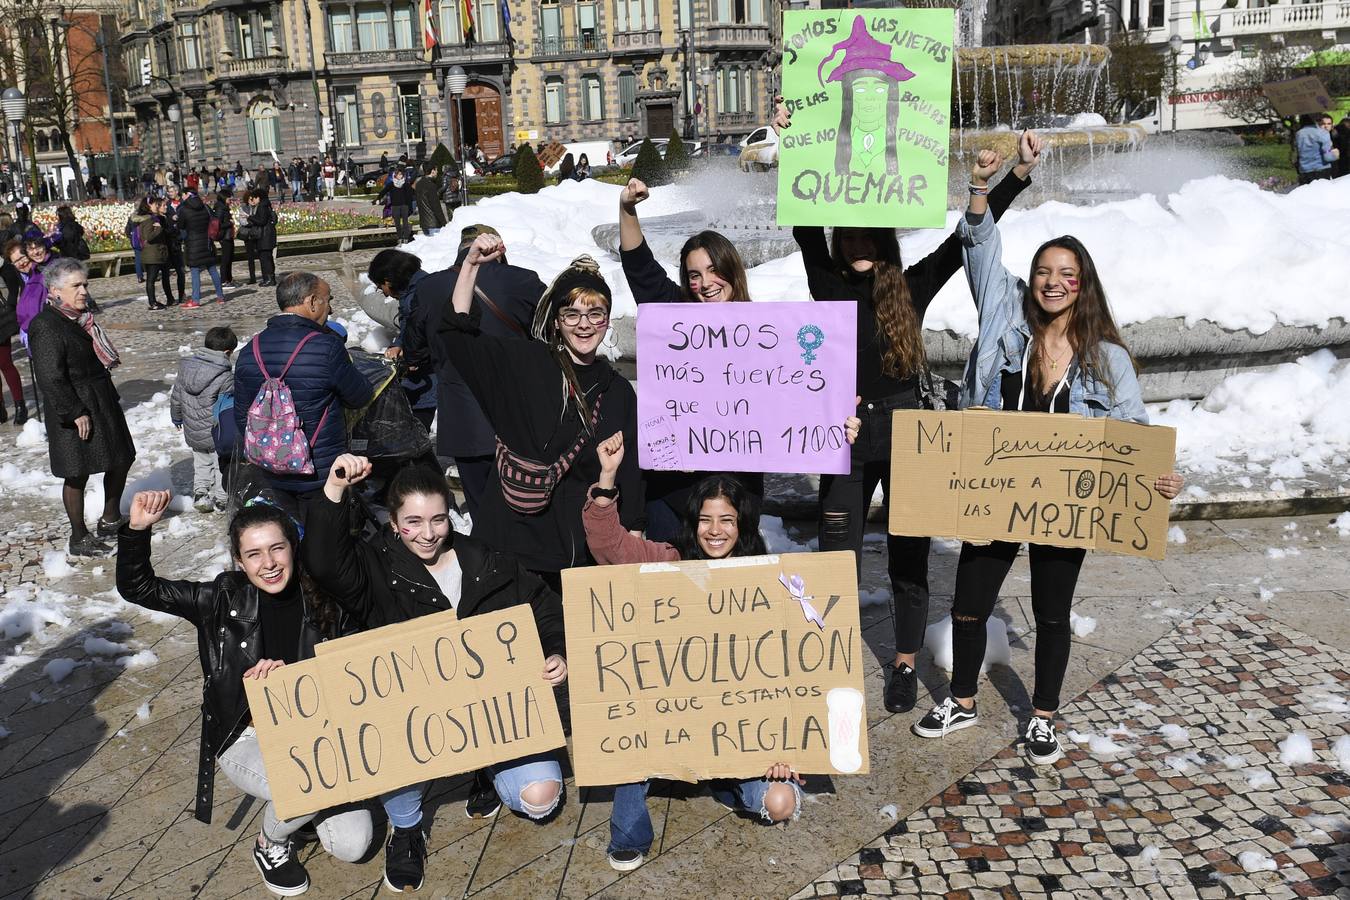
(1048, 344)
(249, 623)
(864, 264)
(416, 567)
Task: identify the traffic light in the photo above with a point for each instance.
(327, 130)
(192, 141)
(145, 70)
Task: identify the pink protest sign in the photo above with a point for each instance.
(746, 387)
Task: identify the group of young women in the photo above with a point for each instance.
(565, 493)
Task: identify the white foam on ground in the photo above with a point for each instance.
(138, 660)
(59, 669)
(1341, 750)
(1081, 626)
(1260, 779)
(1256, 861)
(1297, 750)
(1342, 524)
(97, 646)
(1176, 535)
(938, 640)
(54, 564)
(1174, 734)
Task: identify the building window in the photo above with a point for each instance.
(487, 21)
(686, 13)
(592, 98)
(550, 21)
(627, 95)
(739, 12)
(191, 44)
(410, 108)
(340, 30)
(264, 127)
(553, 100)
(256, 37)
(747, 91)
(635, 15)
(349, 123)
(588, 32)
(372, 28)
(403, 29)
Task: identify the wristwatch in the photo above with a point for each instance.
(607, 493)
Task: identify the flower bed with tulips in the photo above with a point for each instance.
(104, 221)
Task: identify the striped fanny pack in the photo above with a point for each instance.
(527, 485)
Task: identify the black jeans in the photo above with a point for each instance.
(227, 259)
(176, 262)
(402, 227)
(979, 576)
(844, 500)
(268, 263)
(159, 272)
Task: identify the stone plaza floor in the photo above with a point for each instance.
(1201, 673)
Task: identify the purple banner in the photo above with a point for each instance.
(746, 387)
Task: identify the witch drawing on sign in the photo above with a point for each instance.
(871, 108)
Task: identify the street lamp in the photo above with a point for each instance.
(1175, 43)
(457, 82)
(341, 107)
(176, 117)
(15, 105)
(706, 78)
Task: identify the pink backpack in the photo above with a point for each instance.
(274, 437)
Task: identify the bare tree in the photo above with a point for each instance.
(1240, 88)
(1135, 70)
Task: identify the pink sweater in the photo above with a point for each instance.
(611, 544)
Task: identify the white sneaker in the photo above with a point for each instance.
(946, 717)
(1042, 744)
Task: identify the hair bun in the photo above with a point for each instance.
(585, 263)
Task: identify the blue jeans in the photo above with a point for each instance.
(140, 267)
(748, 796)
(296, 185)
(510, 779)
(404, 806)
(630, 825)
(197, 283)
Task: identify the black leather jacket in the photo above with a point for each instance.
(225, 612)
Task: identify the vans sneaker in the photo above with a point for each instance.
(281, 871)
(946, 717)
(625, 860)
(1042, 743)
(405, 859)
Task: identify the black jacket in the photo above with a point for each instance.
(381, 582)
(225, 613)
(69, 240)
(9, 301)
(516, 292)
(519, 386)
(646, 279)
(198, 249)
(262, 217)
(226, 216)
(397, 196)
(924, 278)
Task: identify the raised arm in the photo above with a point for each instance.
(990, 282)
(630, 229)
(136, 579)
(329, 551)
(609, 542)
(646, 278)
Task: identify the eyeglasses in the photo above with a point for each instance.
(572, 317)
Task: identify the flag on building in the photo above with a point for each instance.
(466, 21)
(429, 26)
(506, 21)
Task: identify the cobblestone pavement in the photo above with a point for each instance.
(99, 720)
(1174, 786)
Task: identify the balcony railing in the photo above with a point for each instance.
(191, 78)
(735, 119)
(570, 47)
(494, 51)
(738, 36)
(254, 67)
(361, 59)
(1280, 19)
(630, 41)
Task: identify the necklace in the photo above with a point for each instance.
(1054, 360)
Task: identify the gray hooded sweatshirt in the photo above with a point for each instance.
(202, 377)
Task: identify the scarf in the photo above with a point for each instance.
(103, 348)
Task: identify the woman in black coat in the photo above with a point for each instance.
(198, 247)
(262, 224)
(223, 212)
(249, 622)
(86, 431)
(398, 188)
(70, 234)
(549, 401)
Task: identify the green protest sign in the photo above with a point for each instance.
(870, 94)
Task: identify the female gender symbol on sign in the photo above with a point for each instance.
(810, 338)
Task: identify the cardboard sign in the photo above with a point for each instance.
(1298, 96)
(398, 705)
(870, 94)
(746, 387)
(1067, 481)
(699, 670)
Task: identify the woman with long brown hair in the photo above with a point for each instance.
(1047, 344)
(711, 271)
(864, 264)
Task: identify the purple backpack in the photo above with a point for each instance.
(274, 437)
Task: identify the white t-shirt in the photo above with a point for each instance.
(450, 579)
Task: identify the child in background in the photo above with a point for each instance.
(202, 378)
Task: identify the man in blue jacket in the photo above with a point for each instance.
(322, 379)
(1314, 148)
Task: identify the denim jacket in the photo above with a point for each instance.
(1004, 334)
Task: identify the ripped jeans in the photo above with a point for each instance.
(844, 500)
(979, 576)
(630, 824)
(514, 778)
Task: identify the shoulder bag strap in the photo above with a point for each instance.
(496, 311)
(294, 353)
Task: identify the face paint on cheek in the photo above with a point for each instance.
(406, 532)
(1072, 283)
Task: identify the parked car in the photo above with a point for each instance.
(716, 151)
(759, 150)
(502, 165)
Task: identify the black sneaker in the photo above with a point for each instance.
(88, 546)
(405, 859)
(902, 691)
(1042, 743)
(281, 871)
(483, 802)
(946, 717)
(625, 860)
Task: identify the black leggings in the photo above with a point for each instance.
(158, 272)
(979, 576)
(844, 500)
